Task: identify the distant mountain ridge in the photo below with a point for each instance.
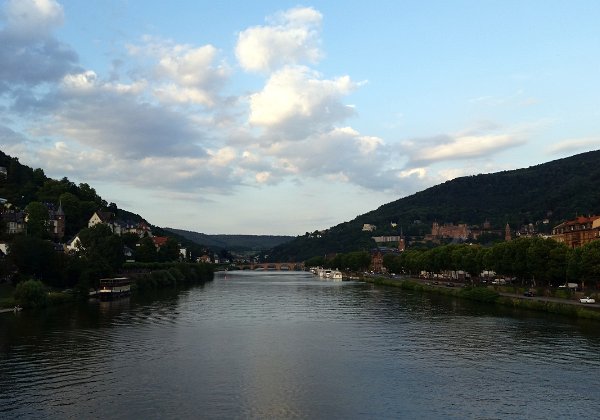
(551, 192)
(233, 242)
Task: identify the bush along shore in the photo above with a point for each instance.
(154, 276)
(145, 277)
(488, 295)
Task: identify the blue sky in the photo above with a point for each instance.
(277, 117)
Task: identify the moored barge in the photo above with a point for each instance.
(114, 288)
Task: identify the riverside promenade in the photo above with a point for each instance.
(569, 307)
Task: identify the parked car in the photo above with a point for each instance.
(587, 299)
(529, 293)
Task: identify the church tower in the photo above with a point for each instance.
(507, 234)
(401, 242)
(59, 221)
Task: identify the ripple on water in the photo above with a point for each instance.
(290, 346)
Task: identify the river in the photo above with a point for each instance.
(288, 345)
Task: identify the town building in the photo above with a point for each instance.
(577, 232)
(368, 227)
(448, 230)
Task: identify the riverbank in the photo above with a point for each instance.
(491, 296)
(145, 277)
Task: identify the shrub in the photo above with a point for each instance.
(31, 294)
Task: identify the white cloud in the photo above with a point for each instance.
(263, 177)
(80, 81)
(118, 124)
(338, 154)
(182, 73)
(482, 142)
(571, 146)
(295, 101)
(29, 53)
(32, 19)
(291, 38)
(466, 147)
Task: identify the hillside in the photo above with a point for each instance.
(554, 191)
(20, 185)
(234, 242)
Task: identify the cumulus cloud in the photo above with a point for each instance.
(341, 155)
(184, 74)
(114, 119)
(292, 37)
(29, 53)
(32, 19)
(296, 102)
(166, 125)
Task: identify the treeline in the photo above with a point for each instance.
(154, 276)
(544, 262)
(351, 261)
(99, 254)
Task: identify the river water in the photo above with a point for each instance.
(288, 345)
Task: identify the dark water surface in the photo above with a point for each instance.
(288, 345)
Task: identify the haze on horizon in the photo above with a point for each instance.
(277, 118)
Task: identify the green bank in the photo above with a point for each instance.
(490, 296)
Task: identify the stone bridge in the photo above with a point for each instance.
(272, 266)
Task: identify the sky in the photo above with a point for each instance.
(279, 117)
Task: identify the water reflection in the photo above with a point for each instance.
(287, 345)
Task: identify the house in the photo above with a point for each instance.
(368, 227)
(577, 232)
(140, 229)
(159, 241)
(203, 259)
(377, 255)
(14, 221)
(73, 245)
(119, 227)
(105, 218)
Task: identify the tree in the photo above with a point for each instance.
(590, 263)
(34, 257)
(315, 262)
(102, 248)
(169, 251)
(74, 220)
(37, 219)
(31, 294)
(146, 251)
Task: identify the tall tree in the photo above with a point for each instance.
(37, 219)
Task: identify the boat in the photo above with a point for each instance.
(336, 275)
(587, 299)
(114, 288)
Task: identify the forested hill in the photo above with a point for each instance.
(554, 191)
(234, 242)
(20, 185)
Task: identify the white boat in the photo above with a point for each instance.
(587, 299)
(336, 275)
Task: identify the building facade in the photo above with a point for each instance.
(577, 232)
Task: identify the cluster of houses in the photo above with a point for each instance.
(15, 222)
(573, 233)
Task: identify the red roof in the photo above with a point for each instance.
(159, 240)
